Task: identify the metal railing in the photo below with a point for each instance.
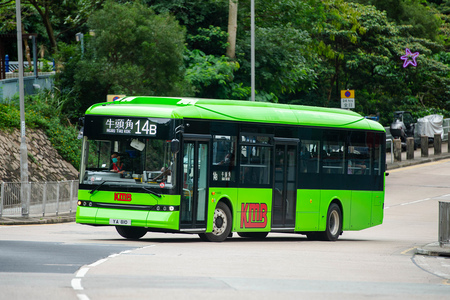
(45, 198)
(14, 65)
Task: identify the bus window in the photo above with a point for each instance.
(256, 160)
(377, 160)
(359, 154)
(309, 158)
(332, 154)
(99, 155)
(359, 159)
(142, 161)
(224, 158)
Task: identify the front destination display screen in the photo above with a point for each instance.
(142, 127)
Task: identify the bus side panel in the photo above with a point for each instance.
(308, 205)
(343, 198)
(361, 210)
(217, 194)
(254, 207)
(377, 208)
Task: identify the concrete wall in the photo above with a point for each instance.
(10, 87)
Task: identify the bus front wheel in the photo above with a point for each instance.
(132, 233)
(334, 223)
(221, 224)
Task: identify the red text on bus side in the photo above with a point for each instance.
(254, 215)
(122, 197)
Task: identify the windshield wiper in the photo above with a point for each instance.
(98, 186)
(104, 181)
(152, 192)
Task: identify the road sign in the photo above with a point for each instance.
(111, 98)
(347, 98)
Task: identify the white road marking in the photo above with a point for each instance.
(82, 297)
(98, 262)
(418, 201)
(81, 272)
(76, 284)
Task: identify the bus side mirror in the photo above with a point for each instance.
(175, 146)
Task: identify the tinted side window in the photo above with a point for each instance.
(255, 160)
(224, 158)
(359, 154)
(309, 156)
(332, 153)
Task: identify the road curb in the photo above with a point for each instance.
(433, 249)
(64, 218)
(418, 161)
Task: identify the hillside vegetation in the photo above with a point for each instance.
(43, 111)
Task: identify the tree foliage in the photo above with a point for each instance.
(306, 51)
(360, 49)
(141, 54)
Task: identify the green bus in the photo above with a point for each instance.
(215, 167)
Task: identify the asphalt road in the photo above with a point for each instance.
(73, 261)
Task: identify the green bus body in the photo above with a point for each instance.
(302, 164)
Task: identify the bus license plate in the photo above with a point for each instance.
(120, 222)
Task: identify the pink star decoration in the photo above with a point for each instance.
(409, 58)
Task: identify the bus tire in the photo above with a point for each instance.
(132, 233)
(253, 235)
(221, 224)
(334, 223)
(313, 236)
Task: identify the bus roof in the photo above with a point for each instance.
(233, 110)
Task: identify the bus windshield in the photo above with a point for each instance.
(129, 162)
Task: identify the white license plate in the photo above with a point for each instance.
(120, 222)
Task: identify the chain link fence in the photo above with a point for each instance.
(44, 198)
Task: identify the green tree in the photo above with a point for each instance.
(417, 13)
(213, 76)
(58, 20)
(142, 53)
(284, 61)
(361, 50)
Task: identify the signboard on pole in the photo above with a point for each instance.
(111, 98)
(347, 99)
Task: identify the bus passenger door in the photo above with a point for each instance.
(285, 185)
(195, 189)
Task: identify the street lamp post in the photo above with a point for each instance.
(24, 186)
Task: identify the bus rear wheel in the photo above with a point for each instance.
(334, 223)
(132, 233)
(253, 235)
(221, 224)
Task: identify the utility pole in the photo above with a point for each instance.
(252, 47)
(24, 186)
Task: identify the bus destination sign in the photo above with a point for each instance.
(128, 126)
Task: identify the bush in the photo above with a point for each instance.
(43, 111)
